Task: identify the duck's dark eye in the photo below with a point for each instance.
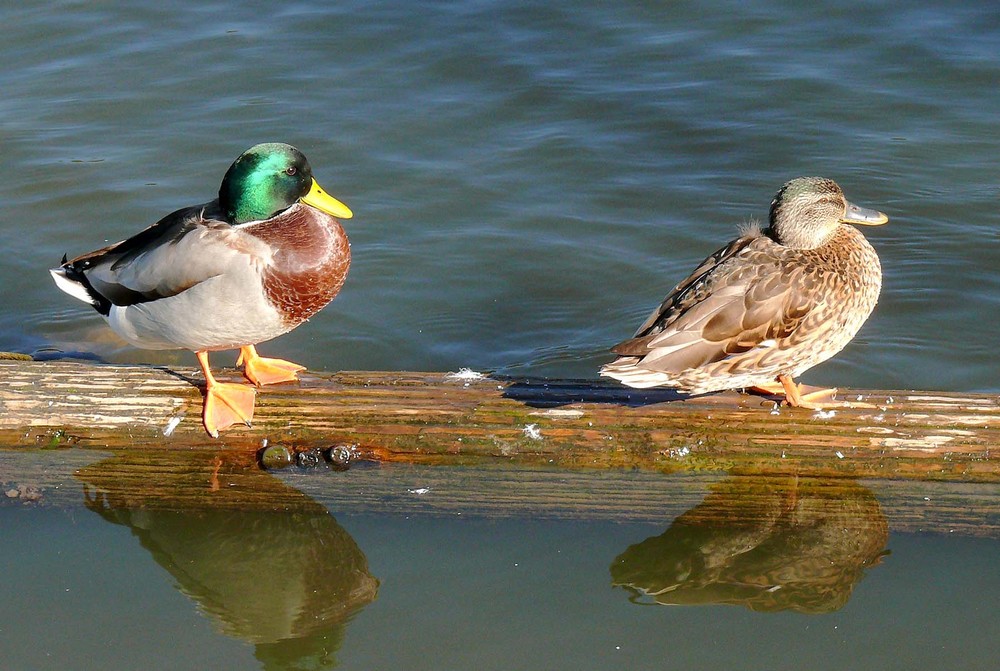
(291, 170)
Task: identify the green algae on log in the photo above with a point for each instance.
(467, 418)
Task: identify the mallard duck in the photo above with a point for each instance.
(766, 307)
(252, 264)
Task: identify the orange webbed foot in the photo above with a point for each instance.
(262, 370)
(227, 404)
(815, 398)
(770, 389)
(818, 399)
(797, 395)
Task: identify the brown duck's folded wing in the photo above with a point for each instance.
(181, 250)
(740, 298)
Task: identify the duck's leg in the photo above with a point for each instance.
(226, 403)
(816, 399)
(261, 370)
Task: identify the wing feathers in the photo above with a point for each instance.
(740, 298)
(178, 252)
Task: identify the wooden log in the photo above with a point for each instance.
(462, 419)
(222, 479)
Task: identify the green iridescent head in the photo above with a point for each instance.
(269, 178)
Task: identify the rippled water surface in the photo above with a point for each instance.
(528, 180)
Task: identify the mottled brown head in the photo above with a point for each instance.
(806, 212)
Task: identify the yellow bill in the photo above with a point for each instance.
(321, 200)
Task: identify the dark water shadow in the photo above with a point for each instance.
(197, 382)
(545, 393)
(795, 544)
(53, 354)
(265, 563)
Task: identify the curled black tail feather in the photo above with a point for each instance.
(73, 281)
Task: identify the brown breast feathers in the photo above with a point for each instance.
(311, 258)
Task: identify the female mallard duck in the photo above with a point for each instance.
(766, 307)
(256, 262)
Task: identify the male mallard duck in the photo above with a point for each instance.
(256, 262)
(766, 307)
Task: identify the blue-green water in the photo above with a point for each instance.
(435, 568)
(528, 180)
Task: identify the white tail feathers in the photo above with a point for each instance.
(72, 287)
(625, 371)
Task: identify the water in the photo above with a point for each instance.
(430, 567)
(528, 180)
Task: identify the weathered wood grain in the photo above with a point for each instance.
(446, 418)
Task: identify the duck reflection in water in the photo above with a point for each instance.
(266, 563)
(769, 545)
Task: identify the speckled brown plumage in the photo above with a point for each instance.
(761, 308)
